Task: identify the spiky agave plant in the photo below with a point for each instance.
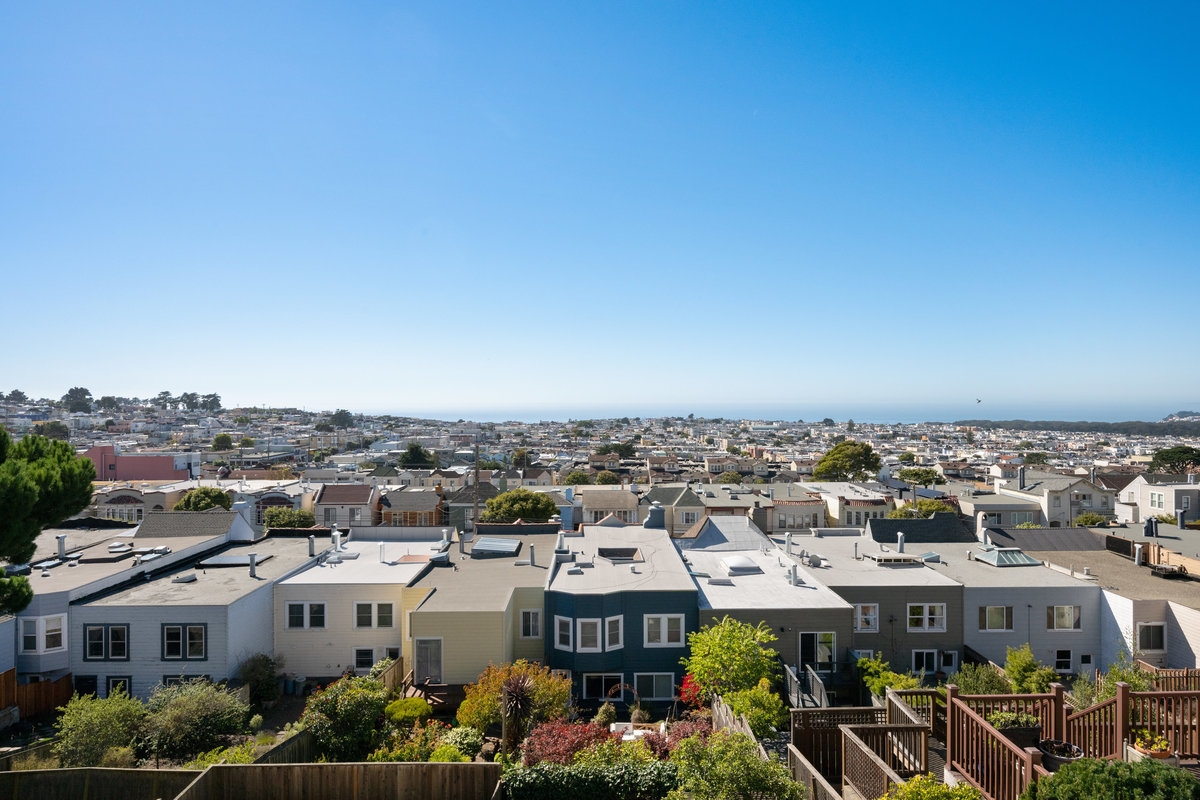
(516, 706)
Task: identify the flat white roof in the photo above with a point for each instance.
(839, 567)
(767, 589)
(402, 561)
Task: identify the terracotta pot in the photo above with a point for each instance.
(1153, 753)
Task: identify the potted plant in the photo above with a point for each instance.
(1151, 744)
(1057, 753)
(1022, 728)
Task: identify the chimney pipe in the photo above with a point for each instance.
(337, 540)
(531, 562)
(312, 546)
(253, 564)
(62, 546)
(792, 577)
(1137, 554)
(787, 544)
(382, 560)
(856, 551)
(1021, 478)
(900, 541)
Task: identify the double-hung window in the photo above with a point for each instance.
(587, 636)
(866, 617)
(614, 633)
(1063, 618)
(106, 642)
(609, 686)
(306, 615)
(184, 642)
(531, 623)
(995, 618)
(373, 615)
(562, 633)
(1152, 636)
(43, 634)
(927, 617)
(655, 685)
(663, 630)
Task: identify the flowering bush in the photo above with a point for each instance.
(481, 707)
(468, 740)
(559, 741)
(691, 693)
(1150, 742)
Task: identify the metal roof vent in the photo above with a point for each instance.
(189, 577)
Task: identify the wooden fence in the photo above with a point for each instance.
(816, 733)
(41, 749)
(1098, 730)
(358, 781)
(723, 718)
(393, 677)
(96, 783)
(1049, 708)
(1174, 715)
(1172, 680)
(808, 776)
(862, 768)
(34, 698)
(928, 705)
(982, 755)
(300, 748)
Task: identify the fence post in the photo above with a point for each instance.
(951, 695)
(1058, 723)
(1122, 715)
(1033, 758)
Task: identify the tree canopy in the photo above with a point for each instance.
(729, 476)
(52, 429)
(77, 398)
(222, 441)
(907, 458)
(342, 418)
(729, 656)
(847, 461)
(606, 478)
(521, 458)
(1175, 459)
(921, 476)
(202, 499)
(283, 517)
(576, 478)
(417, 457)
(16, 396)
(1035, 458)
(622, 449)
(246, 442)
(519, 504)
(924, 509)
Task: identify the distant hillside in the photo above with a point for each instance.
(1134, 428)
(1179, 414)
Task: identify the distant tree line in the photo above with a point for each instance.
(1133, 428)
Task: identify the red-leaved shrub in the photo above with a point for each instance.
(687, 728)
(559, 741)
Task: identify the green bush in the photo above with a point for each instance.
(256, 723)
(729, 765)
(417, 744)
(1014, 719)
(609, 752)
(546, 781)
(1148, 779)
(36, 761)
(926, 787)
(1089, 519)
(481, 707)
(1025, 673)
(240, 754)
(407, 711)
(981, 679)
(1087, 691)
(878, 676)
(192, 717)
(119, 758)
(447, 753)
(729, 656)
(89, 727)
(261, 673)
(380, 667)
(345, 717)
(763, 708)
(605, 715)
(468, 740)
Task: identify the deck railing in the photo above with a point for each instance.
(816, 687)
(862, 768)
(1174, 715)
(983, 755)
(794, 690)
(929, 706)
(1172, 680)
(808, 776)
(1097, 730)
(817, 734)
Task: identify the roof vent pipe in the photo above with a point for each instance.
(531, 562)
(62, 545)
(312, 546)
(382, 560)
(1021, 478)
(792, 577)
(787, 544)
(561, 543)
(1137, 554)
(899, 541)
(253, 565)
(856, 551)
(337, 540)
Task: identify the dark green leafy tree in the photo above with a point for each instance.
(89, 727)
(847, 461)
(729, 476)
(417, 457)
(622, 449)
(577, 478)
(108, 403)
(346, 717)
(1175, 459)
(1035, 458)
(850, 426)
(342, 418)
(727, 765)
(164, 399)
(730, 656)
(77, 398)
(42, 483)
(907, 458)
(241, 420)
(1148, 779)
(202, 499)
(281, 517)
(17, 396)
(53, 429)
(606, 478)
(222, 441)
(211, 402)
(323, 427)
(923, 510)
(519, 504)
(520, 458)
(246, 442)
(190, 400)
(191, 717)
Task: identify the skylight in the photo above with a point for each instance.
(494, 547)
(619, 553)
(1007, 557)
(740, 565)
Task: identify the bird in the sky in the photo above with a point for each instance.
(977, 400)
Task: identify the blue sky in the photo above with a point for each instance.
(561, 208)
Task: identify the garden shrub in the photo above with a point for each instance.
(981, 679)
(1148, 779)
(191, 717)
(614, 751)
(89, 727)
(256, 723)
(468, 740)
(605, 715)
(481, 707)
(729, 656)
(417, 744)
(1025, 673)
(36, 761)
(345, 717)
(763, 708)
(447, 753)
(687, 728)
(729, 765)
(406, 711)
(559, 741)
(926, 787)
(119, 758)
(1087, 691)
(878, 676)
(239, 754)
(380, 667)
(625, 781)
(261, 673)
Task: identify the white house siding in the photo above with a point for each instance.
(8, 643)
(1115, 625)
(253, 629)
(327, 652)
(1183, 636)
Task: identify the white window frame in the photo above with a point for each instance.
(535, 614)
(374, 605)
(859, 625)
(933, 658)
(950, 667)
(619, 696)
(1070, 659)
(1007, 611)
(579, 623)
(287, 615)
(558, 631)
(354, 657)
(608, 638)
(40, 624)
(670, 681)
(926, 626)
(688, 518)
(663, 622)
(1141, 625)
(1054, 616)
